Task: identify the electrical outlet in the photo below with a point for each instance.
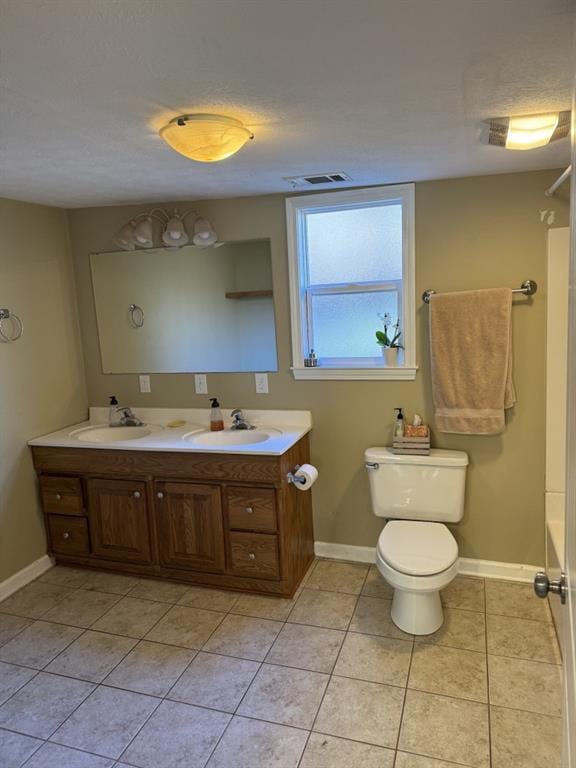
(200, 384)
(145, 383)
(261, 383)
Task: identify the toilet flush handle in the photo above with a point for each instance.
(372, 466)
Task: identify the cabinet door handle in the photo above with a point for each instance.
(252, 556)
(159, 495)
(249, 510)
(65, 535)
(136, 494)
(58, 497)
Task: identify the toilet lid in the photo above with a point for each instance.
(417, 548)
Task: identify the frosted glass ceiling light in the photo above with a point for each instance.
(203, 232)
(206, 138)
(126, 236)
(143, 233)
(527, 131)
(175, 235)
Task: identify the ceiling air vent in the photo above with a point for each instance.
(317, 178)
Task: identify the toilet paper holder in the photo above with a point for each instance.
(292, 478)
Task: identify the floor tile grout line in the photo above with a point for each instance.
(419, 754)
(490, 755)
(78, 638)
(331, 676)
(404, 699)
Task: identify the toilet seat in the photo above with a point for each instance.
(417, 548)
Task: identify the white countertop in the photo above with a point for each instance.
(286, 428)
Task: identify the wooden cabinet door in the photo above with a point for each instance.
(189, 523)
(119, 520)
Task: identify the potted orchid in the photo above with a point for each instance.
(389, 339)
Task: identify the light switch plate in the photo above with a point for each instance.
(200, 384)
(261, 383)
(145, 383)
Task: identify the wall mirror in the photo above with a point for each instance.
(167, 310)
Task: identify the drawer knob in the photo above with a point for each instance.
(249, 510)
(252, 556)
(58, 496)
(65, 535)
(160, 495)
(136, 494)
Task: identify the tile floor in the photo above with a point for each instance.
(100, 670)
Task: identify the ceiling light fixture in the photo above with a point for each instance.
(206, 138)
(526, 131)
(139, 231)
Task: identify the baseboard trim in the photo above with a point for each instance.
(345, 552)
(25, 576)
(492, 569)
(489, 569)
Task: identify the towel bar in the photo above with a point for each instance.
(528, 288)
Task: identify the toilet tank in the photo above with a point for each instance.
(417, 487)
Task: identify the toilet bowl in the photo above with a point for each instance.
(417, 559)
(416, 553)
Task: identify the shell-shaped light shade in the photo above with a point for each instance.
(143, 233)
(203, 232)
(205, 138)
(175, 234)
(125, 238)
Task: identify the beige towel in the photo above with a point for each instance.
(471, 356)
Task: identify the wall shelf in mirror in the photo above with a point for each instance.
(248, 294)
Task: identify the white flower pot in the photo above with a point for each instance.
(390, 356)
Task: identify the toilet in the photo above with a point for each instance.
(416, 553)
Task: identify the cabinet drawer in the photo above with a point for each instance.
(251, 509)
(69, 535)
(254, 554)
(62, 495)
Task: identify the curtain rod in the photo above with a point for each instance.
(528, 288)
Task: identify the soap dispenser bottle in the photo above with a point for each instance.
(113, 415)
(399, 425)
(216, 421)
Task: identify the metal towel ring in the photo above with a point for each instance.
(17, 327)
(136, 315)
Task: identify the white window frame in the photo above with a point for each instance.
(355, 368)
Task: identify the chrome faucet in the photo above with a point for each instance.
(125, 418)
(239, 422)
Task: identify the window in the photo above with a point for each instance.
(351, 259)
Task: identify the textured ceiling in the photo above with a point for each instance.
(385, 90)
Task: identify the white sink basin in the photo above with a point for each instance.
(110, 434)
(230, 437)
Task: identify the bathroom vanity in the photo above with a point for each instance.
(175, 505)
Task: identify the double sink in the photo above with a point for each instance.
(199, 437)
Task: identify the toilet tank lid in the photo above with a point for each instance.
(438, 457)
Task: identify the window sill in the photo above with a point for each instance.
(402, 373)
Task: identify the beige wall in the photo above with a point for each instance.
(470, 233)
(42, 384)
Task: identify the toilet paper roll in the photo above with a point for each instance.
(309, 475)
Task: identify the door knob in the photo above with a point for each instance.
(159, 495)
(249, 510)
(543, 585)
(136, 494)
(252, 556)
(65, 535)
(58, 497)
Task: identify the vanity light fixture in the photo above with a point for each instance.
(206, 138)
(139, 231)
(526, 131)
(174, 234)
(143, 233)
(203, 232)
